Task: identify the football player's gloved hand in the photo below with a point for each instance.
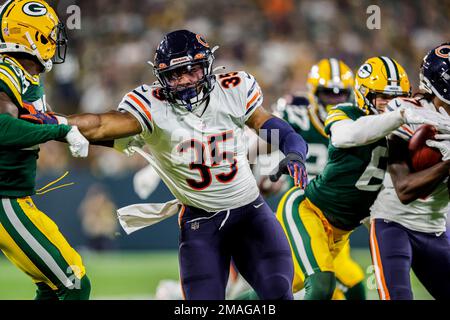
(40, 118)
(44, 118)
(443, 112)
(443, 146)
(78, 144)
(294, 165)
(440, 120)
(442, 136)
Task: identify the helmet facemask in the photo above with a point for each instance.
(61, 40)
(189, 95)
(327, 98)
(332, 96)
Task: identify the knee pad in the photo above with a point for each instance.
(320, 286)
(81, 291)
(276, 287)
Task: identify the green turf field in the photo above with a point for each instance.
(136, 275)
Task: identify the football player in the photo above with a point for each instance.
(31, 35)
(409, 215)
(329, 82)
(319, 223)
(192, 122)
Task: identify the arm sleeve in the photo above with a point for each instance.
(347, 133)
(286, 139)
(21, 134)
(254, 96)
(138, 104)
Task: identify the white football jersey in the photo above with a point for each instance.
(423, 215)
(201, 155)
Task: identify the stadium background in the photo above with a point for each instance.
(275, 40)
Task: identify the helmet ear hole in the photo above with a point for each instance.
(43, 39)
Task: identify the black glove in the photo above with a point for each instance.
(294, 165)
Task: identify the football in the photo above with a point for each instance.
(423, 156)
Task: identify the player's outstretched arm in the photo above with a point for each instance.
(412, 185)
(21, 134)
(365, 130)
(288, 141)
(106, 126)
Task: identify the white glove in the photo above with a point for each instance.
(443, 146)
(442, 136)
(443, 112)
(412, 115)
(78, 144)
(145, 181)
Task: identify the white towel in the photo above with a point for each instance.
(138, 216)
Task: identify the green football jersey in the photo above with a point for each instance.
(352, 177)
(299, 113)
(18, 165)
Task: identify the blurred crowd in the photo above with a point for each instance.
(275, 40)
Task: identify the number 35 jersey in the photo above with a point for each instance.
(201, 155)
(352, 178)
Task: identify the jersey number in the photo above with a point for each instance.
(216, 157)
(373, 170)
(229, 80)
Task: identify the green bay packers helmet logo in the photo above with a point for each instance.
(365, 71)
(34, 9)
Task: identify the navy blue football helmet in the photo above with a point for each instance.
(435, 72)
(182, 50)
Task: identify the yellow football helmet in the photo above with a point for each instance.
(329, 82)
(379, 75)
(33, 27)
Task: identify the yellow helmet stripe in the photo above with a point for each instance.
(335, 74)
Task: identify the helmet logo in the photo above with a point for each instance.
(443, 51)
(365, 71)
(34, 9)
(199, 56)
(202, 40)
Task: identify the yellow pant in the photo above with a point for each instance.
(316, 245)
(33, 242)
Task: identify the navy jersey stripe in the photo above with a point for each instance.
(142, 97)
(147, 123)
